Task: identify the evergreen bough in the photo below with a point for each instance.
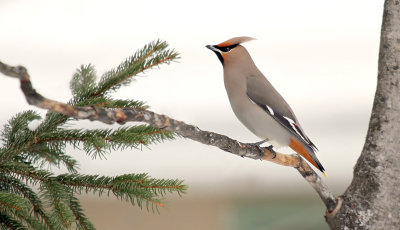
(32, 197)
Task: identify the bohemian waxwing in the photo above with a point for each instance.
(257, 104)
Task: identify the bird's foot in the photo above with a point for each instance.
(261, 149)
(271, 149)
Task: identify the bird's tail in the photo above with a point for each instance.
(309, 154)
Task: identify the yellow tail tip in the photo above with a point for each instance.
(325, 174)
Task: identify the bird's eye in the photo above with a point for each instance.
(226, 49)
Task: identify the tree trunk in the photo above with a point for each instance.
(372, 201)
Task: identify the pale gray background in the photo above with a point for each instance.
(321, 55)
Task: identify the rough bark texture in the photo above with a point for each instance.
(372, 201)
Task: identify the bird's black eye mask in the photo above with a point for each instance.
(218, 50)
(226, 49)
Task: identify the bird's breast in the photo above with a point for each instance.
(252, 116)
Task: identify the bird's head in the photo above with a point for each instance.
(229, 48)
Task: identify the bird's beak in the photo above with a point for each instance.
(212, 48)
(217, 52)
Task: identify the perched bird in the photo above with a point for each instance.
(257, 104)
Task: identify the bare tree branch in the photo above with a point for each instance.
(123, 115)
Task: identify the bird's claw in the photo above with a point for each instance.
(271, 149)
(261, 149)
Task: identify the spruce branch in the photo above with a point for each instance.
(57, 197)
(13, 185)
(15, 206)
(16, 134)
(48, 154)
(25, 150)
(11, 136)
(8, 222)
(82, 222)
(134, 188)
(24, 171)
(83, 82)
(99, 141)
(123, 115)
(151, 55)
(21, 142)
(12, 201)
(108, 102)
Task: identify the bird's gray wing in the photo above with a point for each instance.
(261, 92)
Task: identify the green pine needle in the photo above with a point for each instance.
(135, 188)
(8, 222)
(108, 102)
(14, 185)
(98, 142)
(16, 133)
(151, 55)
(82, 222)
(83, 82)
(17, 207)
(9, 201)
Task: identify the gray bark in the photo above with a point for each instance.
(372, 201)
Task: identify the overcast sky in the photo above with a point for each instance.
(320, 55)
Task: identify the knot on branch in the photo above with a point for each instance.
(20, 70)
(332, 209)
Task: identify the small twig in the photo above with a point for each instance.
(123, 115)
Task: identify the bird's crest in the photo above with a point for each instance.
(235, 41)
